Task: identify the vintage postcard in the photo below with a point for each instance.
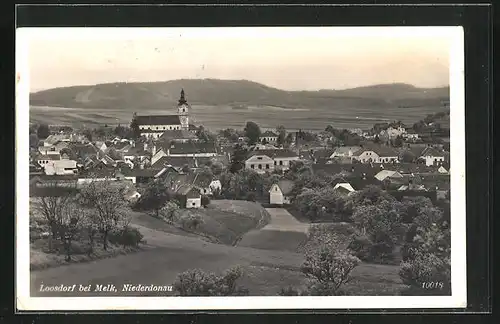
(240, 168)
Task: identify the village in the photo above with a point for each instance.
(170, 149)
(379, 189)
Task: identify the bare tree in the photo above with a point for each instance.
(72, 217)
(107, 199)
(50, 204)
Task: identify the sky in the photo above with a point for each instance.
(284, 58)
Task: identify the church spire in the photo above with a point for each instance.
(182, 100)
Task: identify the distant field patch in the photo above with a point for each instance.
(273, 240)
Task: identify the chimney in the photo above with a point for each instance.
(141, 166)
(168, 152)
(153, 151)
(145, 146)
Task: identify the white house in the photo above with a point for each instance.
(60, 167)
(410, 135)
(190, 196)
(345, 151)
(269, 137)
(380, 154)
(431, 156)
(260, 163)
(279, 194)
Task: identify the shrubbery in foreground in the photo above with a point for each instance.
(198, 283)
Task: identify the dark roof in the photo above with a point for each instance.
(175, 161)
(286, 186)
(407, 168)
(354, 169)
(323, 154)
(49, 157)
(274, 153)
(358, 183)
(431, 151)
(146, 173)
(191, 148)
(177, 134)
(83, 150)
(268, 134)
(158, 120)
(201, 180)
(188, 191)
(381, 150)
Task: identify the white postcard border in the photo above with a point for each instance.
(457, 152)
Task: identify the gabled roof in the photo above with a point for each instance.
(354, 169)
(175, 161)
(274, 154)
(431, 151)
(188, 191)
(268, 134)
(345, 186)
(323, 154)
(51, 157)
(201, 180)
(158, 120)
(387, 174)
(381, 150)
(346, 149)
(190, 148)
(177, 135)
(286, 186)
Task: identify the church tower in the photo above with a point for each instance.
(183, 111)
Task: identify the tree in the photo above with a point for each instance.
(134, 126)
(72, 217)
(328, 269)
(238, 158)
(376, 140)
(170, 211)
(407, 156)
(398, 142)
(154, 198)
(378, 220)
(411, 207)
(429, 263)
(43, 131)
(205, 201)
(281, 135)
(107, 200)
(33, 140)
(252, 132)
(121, 131)
(217, 168)
(88, 134)
(289, 139)
(51, 206)
(198, 283)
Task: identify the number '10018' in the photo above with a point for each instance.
(432, 285)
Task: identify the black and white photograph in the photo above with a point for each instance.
(240, 168)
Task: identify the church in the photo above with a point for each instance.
(153, 126)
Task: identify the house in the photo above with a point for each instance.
(377, 154)
(432, 156)
(204, 183)
(154, 126)
(56, 147)
(131, 194)
(268, 137)
(270, 160)
(388, 174)
(55, 138)
(345, 151)
(410, 134)
(189, 196)
(392, 132)
(279, 193)
(188, 149)
(106, 174)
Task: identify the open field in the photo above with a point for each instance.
(220, 117)
(171, 254)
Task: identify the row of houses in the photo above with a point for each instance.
(401, 180)
(380, 154)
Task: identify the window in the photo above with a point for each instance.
(194, 204)
(259, 158)
(275, 162)
(252, 166)
(260, 166)
(267, 166)
(281, 162)
(275, 188)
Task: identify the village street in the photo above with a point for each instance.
(165, 257)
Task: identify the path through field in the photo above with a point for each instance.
(283, 232)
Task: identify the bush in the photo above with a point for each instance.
(424, 269)
(126, 236)
(198, 283)
(328, 270)
(250, 196)
(205, 201)
(191, 221)
(361, 247)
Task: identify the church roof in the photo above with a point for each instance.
(158, 120)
